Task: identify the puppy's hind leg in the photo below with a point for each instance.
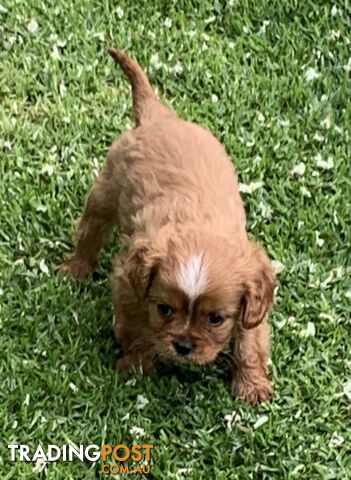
(99, 216)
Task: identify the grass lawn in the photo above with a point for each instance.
(271, 79)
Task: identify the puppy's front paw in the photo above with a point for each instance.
(123, 365)
(257, 391)
(76, 266)
(128, 363)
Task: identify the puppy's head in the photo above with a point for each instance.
(198, 289)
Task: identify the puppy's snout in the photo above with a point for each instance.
(183, 347)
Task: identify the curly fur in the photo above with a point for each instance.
(172, 188)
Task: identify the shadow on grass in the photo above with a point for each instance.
(191, 373)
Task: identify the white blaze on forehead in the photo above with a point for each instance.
(192, 277)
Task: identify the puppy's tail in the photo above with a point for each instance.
(143, 95)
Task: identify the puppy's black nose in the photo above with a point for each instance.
(183, 347)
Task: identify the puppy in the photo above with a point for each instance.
(189, 282)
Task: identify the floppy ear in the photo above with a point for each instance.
(258, 290)
(141, 266)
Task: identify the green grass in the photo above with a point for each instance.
(276, 95)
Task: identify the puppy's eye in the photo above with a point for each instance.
(164, 310)
(215, 319)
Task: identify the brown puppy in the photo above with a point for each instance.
(189, 281)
